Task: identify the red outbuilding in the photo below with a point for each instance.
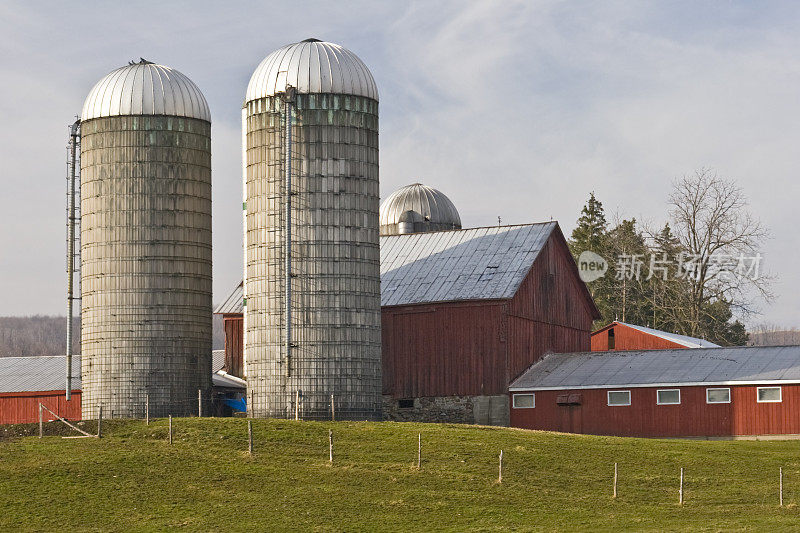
(27, 381)
(622, 336)
(705, 392)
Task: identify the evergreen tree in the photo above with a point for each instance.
(590, 232)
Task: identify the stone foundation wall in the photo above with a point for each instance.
(484, 410)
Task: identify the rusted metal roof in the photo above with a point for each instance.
(649, 368)
(312, 66)
(37, 373)
(145, 88)
(472, 264)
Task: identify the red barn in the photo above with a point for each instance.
(463, 312)
(706, 392)
(622, 336)
(27, 381)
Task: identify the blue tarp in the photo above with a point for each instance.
(237, 404)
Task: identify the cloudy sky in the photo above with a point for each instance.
(513, 109)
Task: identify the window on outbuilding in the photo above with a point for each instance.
(720, 395)
(619, 397)
(668, 396)
(769, 395)
(611, 339)
(524, 401)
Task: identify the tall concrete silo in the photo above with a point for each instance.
(417, 208)
(145, 243)
(312, 278)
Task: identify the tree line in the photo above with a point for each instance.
(699, 274)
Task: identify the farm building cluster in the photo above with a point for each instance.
(372, 311)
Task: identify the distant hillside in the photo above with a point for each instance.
(774, 337)
(46, 335)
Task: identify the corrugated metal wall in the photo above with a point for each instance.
(23, 407)
(644, 418)
(335, 258)
(146, 264)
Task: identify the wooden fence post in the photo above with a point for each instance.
(419, 451)
(615, 480)
(330, 445)
(780, 482)
(41, 426)
(99, 420)
(147, 409)
(250, 437)
(200, 403)
(680, 491)
(500, 470)
(333, 410)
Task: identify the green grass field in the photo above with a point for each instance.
(132, 479)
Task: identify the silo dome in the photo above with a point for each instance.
(145, 88)
(417, 208)
(312, 66)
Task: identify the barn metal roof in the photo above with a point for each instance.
(472, 264)
(683, 340)
(234, 303)
(145, 88)
(37, 373)
(46, 373)
(312, 66)
(649, 368)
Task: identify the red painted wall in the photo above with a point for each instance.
(478, 348)
(233, 325)
(23, 407)
(644, 418)
(627, 338)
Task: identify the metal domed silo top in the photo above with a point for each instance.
(145, 88)
(417, 208)
(312, 66)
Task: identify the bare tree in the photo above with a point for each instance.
(721, 239)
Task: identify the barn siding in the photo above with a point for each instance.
(626, 338)
(644, 418)
(23, 407)
(234, 344)
(478, 347)
(453, 349)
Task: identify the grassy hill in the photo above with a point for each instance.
(132, 479)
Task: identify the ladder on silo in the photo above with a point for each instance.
(73, 262)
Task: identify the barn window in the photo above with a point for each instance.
(769, 394)
(524, 401)
(668, 396)
(718, 395)
(405, 403)
(619, 397)
(611, 339)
